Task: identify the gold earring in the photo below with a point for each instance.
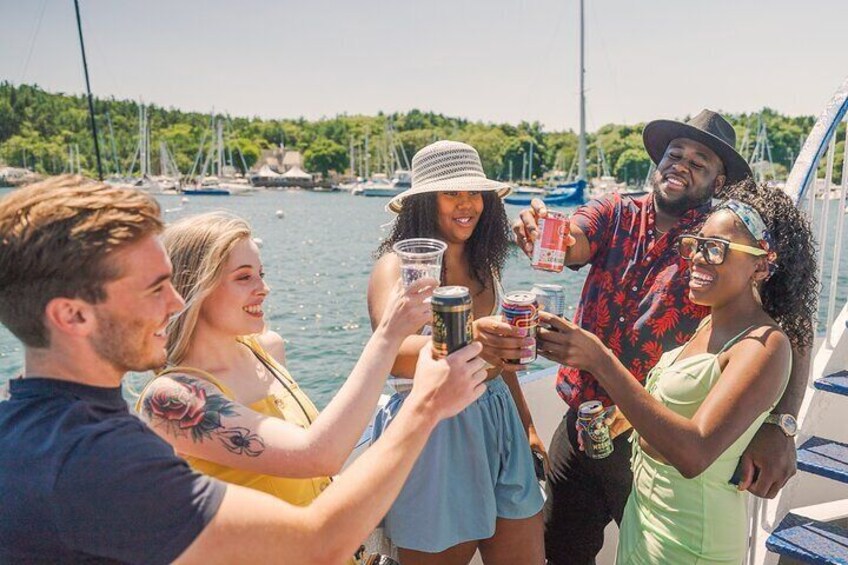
(756, 290)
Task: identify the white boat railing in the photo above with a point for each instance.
(815, 196)
(803, 183)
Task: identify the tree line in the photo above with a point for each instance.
(48, 132)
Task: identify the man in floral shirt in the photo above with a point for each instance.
(635, 299)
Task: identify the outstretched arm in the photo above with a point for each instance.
(254, 527)
(526, 230)
(199, 421)
(749, 383)
(383, 278)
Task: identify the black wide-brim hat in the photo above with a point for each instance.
(708, 128)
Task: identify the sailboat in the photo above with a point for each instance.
(380, 184)
(144, 181)
(223, 182)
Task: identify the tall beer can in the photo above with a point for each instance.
(551, 298)
(520, 309)
(452, 319)
(597, 443)
(549, 247)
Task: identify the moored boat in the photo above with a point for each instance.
(560, 195)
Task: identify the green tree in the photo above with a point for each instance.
(632, 166)
(325, 155)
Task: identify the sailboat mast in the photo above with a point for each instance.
(115, 162)
(142, 150)
(581, 170)
(220, 150)
(147, 151)
(90, 99)
(367, 158)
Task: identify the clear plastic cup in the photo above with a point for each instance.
(420, 257)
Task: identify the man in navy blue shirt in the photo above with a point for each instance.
(85, 284)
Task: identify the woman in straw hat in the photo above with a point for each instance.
(474, 486)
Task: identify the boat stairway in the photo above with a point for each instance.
(808, 534)
(807, 522)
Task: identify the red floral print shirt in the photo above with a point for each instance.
(636, 296)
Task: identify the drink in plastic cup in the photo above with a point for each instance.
(420, 257)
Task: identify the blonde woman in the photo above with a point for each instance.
(226, 401)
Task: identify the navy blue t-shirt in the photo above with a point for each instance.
(84, 480)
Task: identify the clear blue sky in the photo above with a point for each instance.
(492, 60)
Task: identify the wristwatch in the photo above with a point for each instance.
(786, 422)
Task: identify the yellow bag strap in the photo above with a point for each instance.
(277, 371)
(253, 344)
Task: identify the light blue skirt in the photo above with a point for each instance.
(476, 467)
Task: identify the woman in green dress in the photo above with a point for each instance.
(753, 263)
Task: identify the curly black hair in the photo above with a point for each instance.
(790, 295)
(487, 248)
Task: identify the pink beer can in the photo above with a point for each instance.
(549, 247)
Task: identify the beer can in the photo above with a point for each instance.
(378, 559)
(597, 443)
(549, 247)
(521, 309)
(551, 298)
(452, 318)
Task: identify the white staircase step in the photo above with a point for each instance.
(825, 511)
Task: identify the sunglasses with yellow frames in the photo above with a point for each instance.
(713, 249)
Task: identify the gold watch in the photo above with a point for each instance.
(786, 422)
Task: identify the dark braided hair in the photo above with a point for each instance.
(486, 249)
(790, 295)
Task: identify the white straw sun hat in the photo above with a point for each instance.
(447, 166)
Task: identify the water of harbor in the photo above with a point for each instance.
(317, 259)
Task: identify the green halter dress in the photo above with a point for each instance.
(670, 519)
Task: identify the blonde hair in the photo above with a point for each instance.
(56, 238)
(198, 246)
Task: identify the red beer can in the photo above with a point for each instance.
(549, 247)
(520, 309)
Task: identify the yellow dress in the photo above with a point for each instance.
(293, 406)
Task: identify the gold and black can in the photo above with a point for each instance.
(452, 318)
(595, 433)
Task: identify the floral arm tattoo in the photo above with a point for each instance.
(184, 409)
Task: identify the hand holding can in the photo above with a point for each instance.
(526, 227)
(521, 309)
(553, 240)
(453, 316)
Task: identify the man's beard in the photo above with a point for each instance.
(678, 207)
(122, 344)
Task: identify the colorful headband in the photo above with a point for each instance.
(755, 225)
